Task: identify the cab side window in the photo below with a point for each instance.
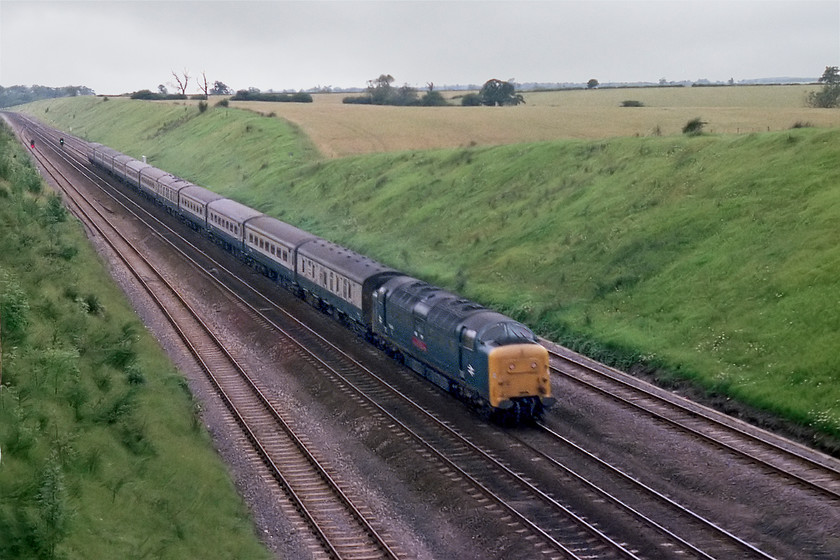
(468, 339)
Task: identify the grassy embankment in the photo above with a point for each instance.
(714, 258)
(103, 454)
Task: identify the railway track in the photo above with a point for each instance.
(792, 462)
(567, 535)
(341, 527)
(616, 528)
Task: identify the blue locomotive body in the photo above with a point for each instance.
(456, 344)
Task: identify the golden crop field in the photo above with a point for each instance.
(343, 129)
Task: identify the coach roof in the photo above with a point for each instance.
(344, 261)
(233, 210)
(279, 231)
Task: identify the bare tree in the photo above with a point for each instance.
(182, 84)
(205, 88)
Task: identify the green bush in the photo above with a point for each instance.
(14, 310)
(826, 98)
(694, 127)
(433, 99)
(471, 100)
(248, 95)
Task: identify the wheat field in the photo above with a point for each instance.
(341, 130)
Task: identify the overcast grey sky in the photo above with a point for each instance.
(124, 46)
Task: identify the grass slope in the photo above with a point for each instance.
(103, 453)
(714, 258)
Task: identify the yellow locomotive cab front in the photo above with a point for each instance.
(518, 371)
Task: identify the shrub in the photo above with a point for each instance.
(248, 95)
(54, 211)
(471, 100)
(14, 309)
(148, 95)
(202, 106)
(694, 127)
(358, 100)
(433, 99)
(632, 103)
(826, 98)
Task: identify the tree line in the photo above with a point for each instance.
(380, 91)
(18, 95)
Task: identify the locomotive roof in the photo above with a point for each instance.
(342, 260)
(279, 231)
(451, 312)
(234, 210)
(434, 304)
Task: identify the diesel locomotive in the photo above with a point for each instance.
(485, 358)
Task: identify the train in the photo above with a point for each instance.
(488, 360)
